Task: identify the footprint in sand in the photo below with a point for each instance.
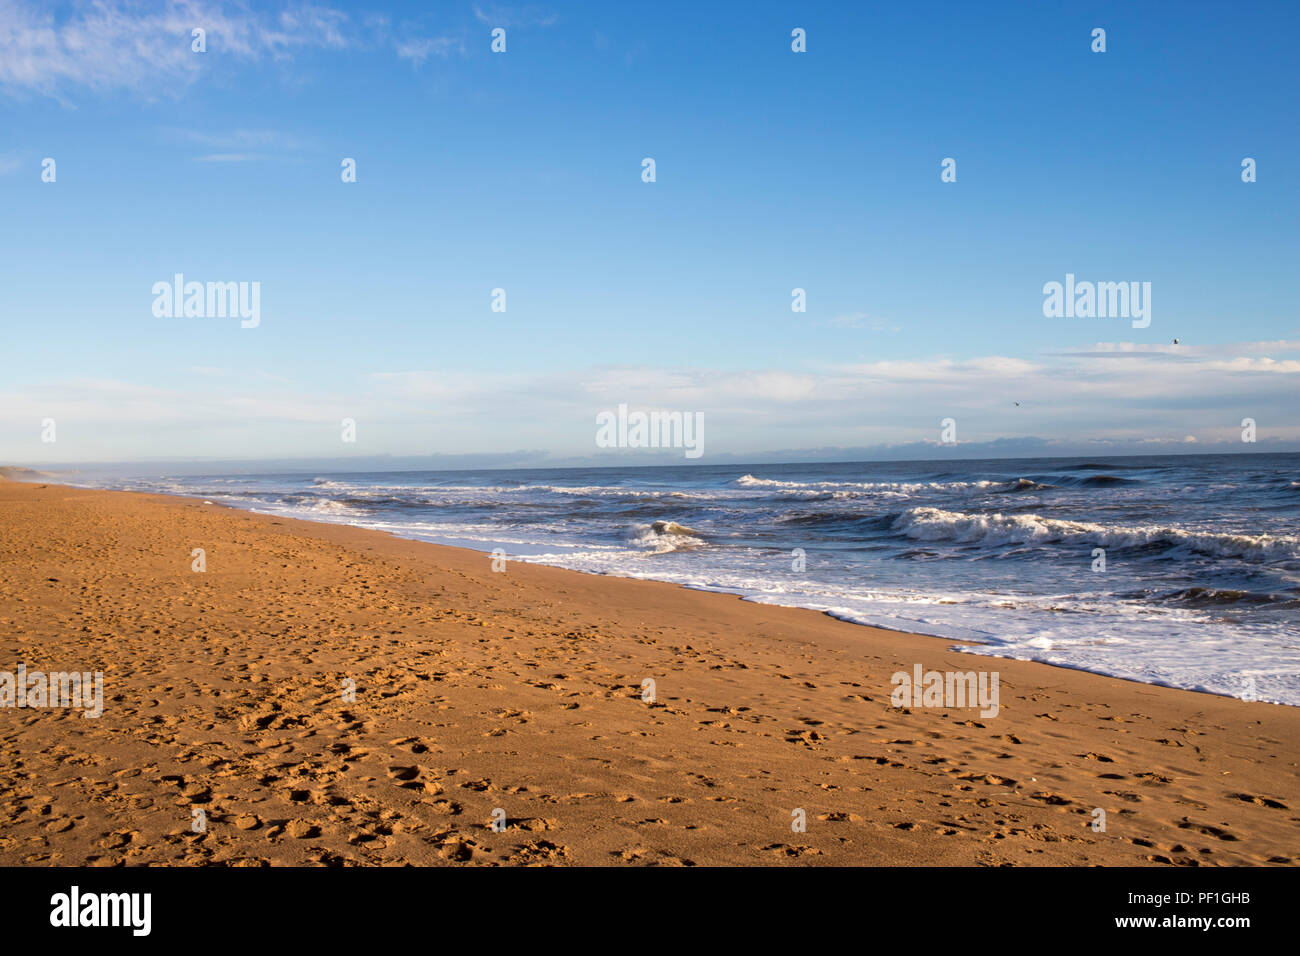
(540, 852)
(792, 849)
(989, 778)
(1258, 801)
(1055, 799)
(1207, 830)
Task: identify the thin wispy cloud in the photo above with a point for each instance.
(861, 320)
(238, 138)
(1185, 350)
(147, 49)
(419, 49)
(230, 158)
(1135, 400)
(237, 145)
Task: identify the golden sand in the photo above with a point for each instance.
(520, 694)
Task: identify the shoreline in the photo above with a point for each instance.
(522, 691)
(707, 590)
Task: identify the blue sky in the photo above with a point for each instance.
(522, 170)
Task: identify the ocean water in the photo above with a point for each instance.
(1200, 590)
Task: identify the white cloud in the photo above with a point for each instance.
(116, 45)
(1125, 398)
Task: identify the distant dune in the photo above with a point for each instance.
(14, 473)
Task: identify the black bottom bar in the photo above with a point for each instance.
(375, 906)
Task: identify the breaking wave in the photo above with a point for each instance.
(934, 524)
(661, 537)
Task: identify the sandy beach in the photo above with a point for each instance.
(521, 694)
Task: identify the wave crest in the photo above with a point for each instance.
(935, 524)
(662, 537)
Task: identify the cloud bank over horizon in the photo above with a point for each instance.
(1111, 397)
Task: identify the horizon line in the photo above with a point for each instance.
(307, 464)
